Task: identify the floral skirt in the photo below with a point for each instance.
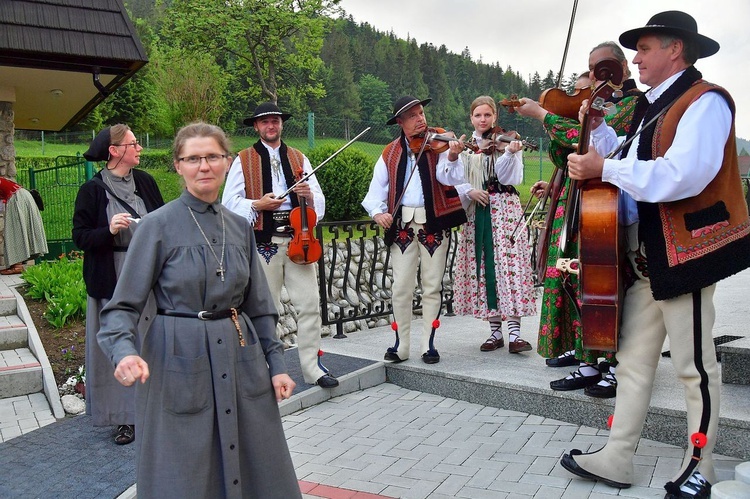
(514, 279)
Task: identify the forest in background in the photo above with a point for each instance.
(215, 60)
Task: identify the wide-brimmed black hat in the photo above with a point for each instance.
(266, 109)
(403, 104)
(672, 22)
(99, 148)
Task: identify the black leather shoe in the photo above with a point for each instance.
(577, 382)
(699, 488)
(327, 381)
(431, 357)
(393, 357)
(564, 360)
(571, 465)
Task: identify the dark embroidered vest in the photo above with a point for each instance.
(695, 242)
(256, 167)
(441, 202)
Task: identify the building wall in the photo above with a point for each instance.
(7, 161)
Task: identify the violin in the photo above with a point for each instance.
(496, 139)
(303, 249)
(555, 101)
(437, 141)
(433, 139)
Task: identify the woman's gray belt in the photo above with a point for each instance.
(203, 315)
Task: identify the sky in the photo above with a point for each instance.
(529, 36)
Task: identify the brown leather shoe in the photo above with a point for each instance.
(491, 344)
(519, 346)
(16, 268)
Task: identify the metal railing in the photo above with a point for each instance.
(355, 278)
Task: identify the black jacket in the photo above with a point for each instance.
(91, 231)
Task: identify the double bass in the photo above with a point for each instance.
(600, 231)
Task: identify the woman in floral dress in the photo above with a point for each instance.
(560, 333)
(493, 278)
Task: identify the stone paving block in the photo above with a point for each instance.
(429, 475)
(363, 486)
(509, 457)
(545, 492)
(451, 469)
(513, 472)
(452, 484)
(543, 465)
(483, 478)
(514, 489)
(642, 493)
(400, 466)
(11, 432)
(395, 480)
(544, 481)
(478, 493)
(665, 451)
(394, 491)
(666, 467)
(486, 450)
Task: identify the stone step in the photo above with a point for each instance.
(730, 489)
(735, 361)
(20, 373)
(7, 301)
(742, 472)
(13, 333)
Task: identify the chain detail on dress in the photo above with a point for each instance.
(220, 270)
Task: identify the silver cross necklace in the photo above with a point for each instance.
(220, 270)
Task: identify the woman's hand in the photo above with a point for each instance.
(130, 369)
(480, 196)
(119, 221)
(283, 386)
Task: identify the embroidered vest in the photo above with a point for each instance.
(441, 202)
(695, 242)
(256, 168)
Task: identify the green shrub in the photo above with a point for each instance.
(60, 284)
(344, 180)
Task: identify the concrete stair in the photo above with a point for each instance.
(739, 488)
(20, 371)
(24, 366)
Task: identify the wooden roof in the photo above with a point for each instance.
(45, 38)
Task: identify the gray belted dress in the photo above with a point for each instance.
(207, 420)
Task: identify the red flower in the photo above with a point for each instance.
(320, 353)
(394, 326)
(572, 133)
(435, 324)
(610, 419)
(698, 439)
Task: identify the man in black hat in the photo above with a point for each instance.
(258, 177)
(688, 228)
(410, 190)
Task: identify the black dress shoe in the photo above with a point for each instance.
(563, 360)
(431, 357)
(571, 465)
(577, 382)
(327, 381)
(699, 488)
(393, 357)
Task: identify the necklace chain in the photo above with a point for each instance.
(220, 270)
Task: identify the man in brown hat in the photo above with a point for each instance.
(258, 177)
(688, 228)
(410, 191)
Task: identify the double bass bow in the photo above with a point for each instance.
(304, 248)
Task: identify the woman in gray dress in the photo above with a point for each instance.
(211, 369)
(103, 227)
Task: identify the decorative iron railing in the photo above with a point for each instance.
(355, 278)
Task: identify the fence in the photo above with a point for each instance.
(304, 133)
(58, 185)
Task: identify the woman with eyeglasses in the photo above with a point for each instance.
(211, 370)
(107, 210)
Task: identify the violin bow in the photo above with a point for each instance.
(329, 158)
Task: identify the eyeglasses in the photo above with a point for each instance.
(134, 144)
(211, 159)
